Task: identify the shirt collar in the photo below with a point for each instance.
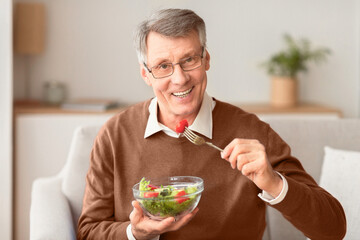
(202, 124)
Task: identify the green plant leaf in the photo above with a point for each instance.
(294, 58)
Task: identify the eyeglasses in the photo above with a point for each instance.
(167, 69)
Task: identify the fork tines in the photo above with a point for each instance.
(189, 134)
(192, 137)
(197, 140)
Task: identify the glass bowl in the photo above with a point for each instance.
(169, 196)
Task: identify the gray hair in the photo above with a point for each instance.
(170, 23)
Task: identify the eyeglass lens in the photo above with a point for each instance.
(167, 69)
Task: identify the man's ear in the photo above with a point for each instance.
(144, 74)
(207, 60)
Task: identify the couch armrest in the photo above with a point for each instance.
(50, 214)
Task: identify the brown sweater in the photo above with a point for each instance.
(229, 206)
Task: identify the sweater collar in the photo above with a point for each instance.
(202, 124)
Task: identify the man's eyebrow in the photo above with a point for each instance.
(160, 60)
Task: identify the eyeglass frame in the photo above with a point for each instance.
(173, 65)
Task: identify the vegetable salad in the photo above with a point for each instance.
(164, 201)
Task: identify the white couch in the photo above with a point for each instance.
(56, 201)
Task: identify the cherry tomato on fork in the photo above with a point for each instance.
(180, 127)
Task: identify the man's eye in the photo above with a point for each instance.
(163, 66)
(189, 59)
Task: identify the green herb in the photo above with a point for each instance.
(165, 192)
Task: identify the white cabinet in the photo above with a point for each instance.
(42, 142)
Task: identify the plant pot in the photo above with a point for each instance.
(283, 92)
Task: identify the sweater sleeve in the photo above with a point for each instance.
(306, 205)
(97, 218)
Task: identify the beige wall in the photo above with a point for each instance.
(89, 47)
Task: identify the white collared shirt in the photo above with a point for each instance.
(202, 124)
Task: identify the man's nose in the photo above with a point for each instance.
(179, 76)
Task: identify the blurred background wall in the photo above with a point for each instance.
(89, 48)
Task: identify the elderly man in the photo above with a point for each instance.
(254, 170)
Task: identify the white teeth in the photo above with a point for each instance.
(182, 94)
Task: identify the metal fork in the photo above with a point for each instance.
(197, 140)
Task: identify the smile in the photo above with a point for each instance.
(183, 94)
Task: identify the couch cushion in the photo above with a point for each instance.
(340, 176)
(76, 167)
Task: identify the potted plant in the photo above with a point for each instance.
(284, 66)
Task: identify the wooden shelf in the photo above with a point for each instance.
(259, 108)
(35, 107)
(302, 108)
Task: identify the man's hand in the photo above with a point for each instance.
(249, 157)
(143, 227)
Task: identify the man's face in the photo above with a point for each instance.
(179, 95)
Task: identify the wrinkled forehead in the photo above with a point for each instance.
(166, 47)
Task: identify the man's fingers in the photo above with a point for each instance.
(153, 227)
(188, 217)
(250, 169)
(136, 205)
(230, 147)
(243, 159)
(136, 214)
(227, 151)
(243, 154)
(184, 220)
(162, 225)
(236, 151)
(238, 146)
(167, 224)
